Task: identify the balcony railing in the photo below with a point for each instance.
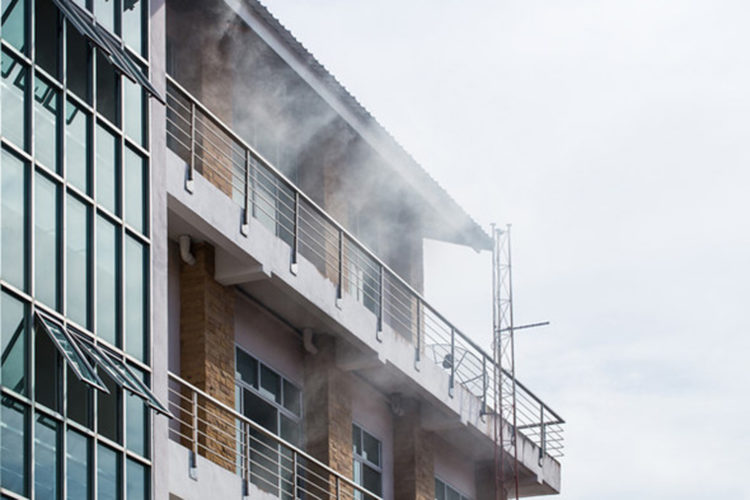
(215, 431)
(211, 148)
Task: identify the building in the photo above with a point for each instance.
(211, 268)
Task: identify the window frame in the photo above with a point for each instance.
(364, 460)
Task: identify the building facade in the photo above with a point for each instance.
(211, 269)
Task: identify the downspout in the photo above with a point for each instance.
(307, 341)
(187, 256)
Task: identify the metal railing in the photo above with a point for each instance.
(212, 149)
(215, 431)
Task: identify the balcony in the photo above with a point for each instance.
(264, 195)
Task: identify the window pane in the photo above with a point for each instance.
(13, 446)
(137, 487)
(107, 474)
(135, 298)
(136, 421)
(14, 23)
(46, 106)
(107, 175)
(78, 63)
(270, 384)
(46, 463)
(133, 110)
(132, 24)
(13, 124)
(290, 430)
(357, 440)
(104, 10)
(451, 494)
(78, 257)
(370, 448)
(260, 411)
(67, 347)
(14, 341)
(247, 367)
(46, 370)
(439, 490)
(107, 289)
(78, 459)
(77, 123)
(13, 214)
(135, 190)
(47, 240)
(106, 88)
(108, 409)
(79, 400)
(46, 36)
(292, 398)
(371, 480)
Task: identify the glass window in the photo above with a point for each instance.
(108, 409)
(136, 418)
(79, 400)
(14, 341)
(106, 88)
(78, 246)
(14, 115)
(67, 346)
(292, 398)
(260, 411)
(366, 463)
(13, 215)
(46, 106)
(46, 462)
(107, 288)
(14, 23)
(135, 298)
(46, 40)
(107, 473)
(46, 369)
(270, 384)
(137, 482)
(104, 10)
(289, 430)
(439, 490)
(78, 460)
(77, 135)
(132, 21)
(133, 124)
(13, 446)
(107, 173)
(135, 190)
(78, 61)
(47, 240)
(247, 367)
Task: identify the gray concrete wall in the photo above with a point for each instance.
(454, 468)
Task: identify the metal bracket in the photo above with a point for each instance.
(193, 466)
(189, 185)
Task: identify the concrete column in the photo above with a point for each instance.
(207, 351)
(328, 409)
(414, 474)
(484, 478)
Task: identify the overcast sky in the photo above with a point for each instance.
(614, 135)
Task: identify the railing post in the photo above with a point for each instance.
(453, 362)
(246, 458)
(246, 216)
(484, 385)
(294, 474)
(381, 300)
(340, 287)
(338, 488)
(191, 166)
(295, 240)
(542, 435)
(418, 352)
(194, 440)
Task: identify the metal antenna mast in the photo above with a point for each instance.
(506, 471)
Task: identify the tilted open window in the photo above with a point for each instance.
(77, 350)
(115, 52)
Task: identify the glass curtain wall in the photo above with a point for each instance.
(75, 246)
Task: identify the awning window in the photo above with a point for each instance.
(70, 351)
(78, 350)
(120, 373)
(116, 53)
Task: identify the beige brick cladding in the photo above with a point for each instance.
(328, 409)
(207, 351)
(414, 477)
(485, 482)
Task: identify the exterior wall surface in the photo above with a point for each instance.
(454, 468)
